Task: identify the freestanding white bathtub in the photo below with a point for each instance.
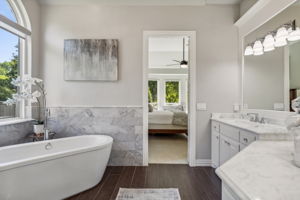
(53, 169)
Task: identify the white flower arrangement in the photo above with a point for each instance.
(25, 85)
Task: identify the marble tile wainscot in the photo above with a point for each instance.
(15, 133)
(124, 124)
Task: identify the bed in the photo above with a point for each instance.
(168, 122)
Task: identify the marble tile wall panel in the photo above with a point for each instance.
(15, 133)
(124, 124)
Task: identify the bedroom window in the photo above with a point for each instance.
(153, 91)
(15, 54)
(172, 94)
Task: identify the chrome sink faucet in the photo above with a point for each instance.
(254, 117)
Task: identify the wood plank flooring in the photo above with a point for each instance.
(198, 183)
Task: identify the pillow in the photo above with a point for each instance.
(150, 107)
(174, 108)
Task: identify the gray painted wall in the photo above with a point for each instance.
(245, 5)
(217, 68)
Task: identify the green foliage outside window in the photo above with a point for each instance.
(8, 71)
(172, 92)
(152, 91)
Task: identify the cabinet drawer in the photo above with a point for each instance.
(215, 126)
(247, 137)
(230, 132)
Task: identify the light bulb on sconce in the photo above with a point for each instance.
(280, 42)
(258, 48)
(281, 37)
(249, 51)
(269, 43)
(258, 53)
(294, 35)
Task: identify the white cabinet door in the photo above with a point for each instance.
(227, 193)
(224, 150)
(228, 149)
(215, 148)
(234, 148)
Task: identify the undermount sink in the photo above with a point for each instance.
(244, 122)
(249, 123)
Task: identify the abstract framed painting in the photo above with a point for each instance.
(91, 60)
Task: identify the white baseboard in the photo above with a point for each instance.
(203, 163)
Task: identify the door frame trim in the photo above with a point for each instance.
(192, 93)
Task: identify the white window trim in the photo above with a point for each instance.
(22, 30)
(165, 92)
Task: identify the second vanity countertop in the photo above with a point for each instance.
(263, 171)
(263, 131)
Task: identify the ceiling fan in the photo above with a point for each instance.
(183, 63)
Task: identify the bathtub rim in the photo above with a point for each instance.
(43, 158)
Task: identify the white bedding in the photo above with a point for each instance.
(161, 117)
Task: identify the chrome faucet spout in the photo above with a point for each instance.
(255, 118)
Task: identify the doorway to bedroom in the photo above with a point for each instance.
(168, 109)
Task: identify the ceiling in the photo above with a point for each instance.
(142, 2)
(166, 44)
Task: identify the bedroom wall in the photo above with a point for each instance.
(216, 58)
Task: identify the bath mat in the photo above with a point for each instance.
(148, 194)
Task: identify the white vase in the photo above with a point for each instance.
(39, 128)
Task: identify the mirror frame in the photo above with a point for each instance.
(255, 17)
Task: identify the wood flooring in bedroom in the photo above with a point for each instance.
(197, 183)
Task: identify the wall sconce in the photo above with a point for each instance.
(277, 38)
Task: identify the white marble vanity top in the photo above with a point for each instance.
(263, 171)
(263, 131)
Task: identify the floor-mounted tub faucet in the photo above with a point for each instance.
(46, 134)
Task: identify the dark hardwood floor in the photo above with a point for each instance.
(198, 183)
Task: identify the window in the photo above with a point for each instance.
(172, 94)
(9, 69)
(15, 48)
(152, 91)
(6, 11)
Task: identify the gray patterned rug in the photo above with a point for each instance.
(148, 194)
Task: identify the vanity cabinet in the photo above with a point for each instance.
(227, 141)
(227, 194)
(215, 146)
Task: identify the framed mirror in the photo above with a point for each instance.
(271, 71)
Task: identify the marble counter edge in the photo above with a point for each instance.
(230, 183)
(246, 129)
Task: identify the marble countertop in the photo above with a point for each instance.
(263, 171)
(263, 131)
